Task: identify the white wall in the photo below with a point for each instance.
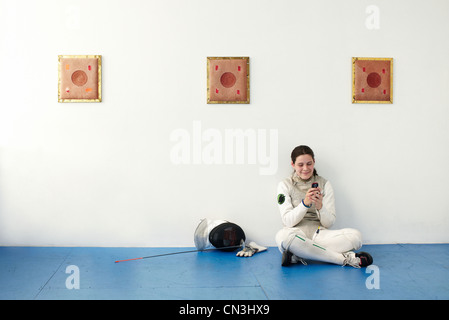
(101, 174)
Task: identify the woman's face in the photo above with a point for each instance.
(303, 166)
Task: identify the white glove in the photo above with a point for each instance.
(250, 249)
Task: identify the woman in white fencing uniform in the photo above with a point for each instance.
(307, 206)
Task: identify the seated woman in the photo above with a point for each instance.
(307, 206)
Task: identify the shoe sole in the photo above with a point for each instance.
(365, 258)
(286, 258)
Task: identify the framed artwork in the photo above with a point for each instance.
(372, 80)
(227, 79)
(79, 78)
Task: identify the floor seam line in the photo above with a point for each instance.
(261, 287)
(51, 277)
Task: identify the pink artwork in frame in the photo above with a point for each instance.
(79, 78)
(228, 80)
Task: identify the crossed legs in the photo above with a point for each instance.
(326, 246)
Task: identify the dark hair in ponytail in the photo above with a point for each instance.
(301, 150)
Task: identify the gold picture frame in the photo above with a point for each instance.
(372, 80)
(228, 80)
(79, 78)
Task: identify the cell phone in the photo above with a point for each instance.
(315, 185)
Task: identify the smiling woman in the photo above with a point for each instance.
(307, 206)
(303, 161)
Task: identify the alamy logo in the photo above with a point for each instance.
(372, 21)
(373, 281)
(73, 280)
(231, 146)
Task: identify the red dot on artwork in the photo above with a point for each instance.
(216, 90)
(374, 79)
(228, 79)
(239, 68)
(238, 91)
(383, 70)
(79, 78)
(89, 67)
(385, 91)
(364, 69)
(216, 68)
(363, 89)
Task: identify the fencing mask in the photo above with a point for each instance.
(218, 233)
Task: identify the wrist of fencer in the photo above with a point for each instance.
(305, 205)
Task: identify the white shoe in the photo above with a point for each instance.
(357, 260)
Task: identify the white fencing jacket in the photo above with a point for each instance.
(294, 213)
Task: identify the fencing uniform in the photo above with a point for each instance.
(305, 234)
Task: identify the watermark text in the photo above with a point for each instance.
(212, 146)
